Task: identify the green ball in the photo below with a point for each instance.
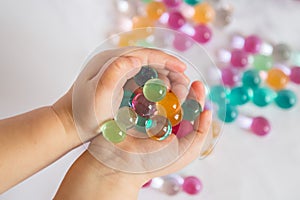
(262, 62)
(227, 113)
(111, 132)
(191, 109)
(240, 95)
(192, 2)
(263, 96)
(286, 99)
(218, 94)
(155, 90)
(126, 98)
(251, 79)
(141, 121)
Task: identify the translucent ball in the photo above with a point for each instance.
(240, 95)
(171, 186)
(286, 99)
(111, 132)
(191, 109)
(260, 126)
(155, 10)
(182, 43)
(176, 20)
(227, 113)
(158, 127)
(202, 33)
(183, 128)
(192, 2)
(146, 73)
(277, 79)
(204, 13)
(252, 44)
(229, 76)
(262, 62)
(155, 90)
(126, 118)
(263, 96)
(239, 58)
(142, 106)
(295, 75)
(251, 79)
(281, 52)
(192, 185)
(219, 94)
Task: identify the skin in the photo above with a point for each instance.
(31, 141)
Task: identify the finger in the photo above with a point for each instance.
(161, 59)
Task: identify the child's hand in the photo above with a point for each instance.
(96, 94)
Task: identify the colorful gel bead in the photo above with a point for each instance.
(277, 79)
(126, 118)
(183, 128)
(155, 10)
(172, 3)
(223, 16)
(239, 58)
(202, 33)
(176, 20)
(147, 1)
(111, 132)
(192, 185)
(227, 113)
(263, 96)
(171, 185)
(296, 58)
(240, 95)
(218, 94)
(281, 52)
(126, 98)
(252, 44)
(251, 79)
(142, 106)
(146, 73)
(191, 109)
(229, 76)
(204, 13)
(126, 39)
(182, 42)
(142, 26)
(260, 126)
(158, 127)
(155, 90)
(262, 62)
(286, 99)
(192, 2)
(295, 75)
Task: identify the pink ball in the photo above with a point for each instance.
(202, 33)
(239, 58)
(172, 3)
(260, 126)
(192, 185)
(182, 42)
(252, 44)
(147, 184)
(182, 129)
(176, 20)
(295, 75)
(229, 77)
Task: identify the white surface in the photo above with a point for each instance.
(43, 44)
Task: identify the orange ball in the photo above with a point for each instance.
(126, 39)
(172, 107)
(277, 79)
(142, 27)
(155, 10)
(204, 13)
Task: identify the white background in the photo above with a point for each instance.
(43, 44)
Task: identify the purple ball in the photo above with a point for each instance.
(295, 75)
(176, 20)
(172, 3)
(239, 58)
(183, 128)
(142, 106)
(229, 77)
(192, 185)
(260, 126)
(182, 42)
(202, 33)
(252, 44)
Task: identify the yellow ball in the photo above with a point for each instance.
(155, 10)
